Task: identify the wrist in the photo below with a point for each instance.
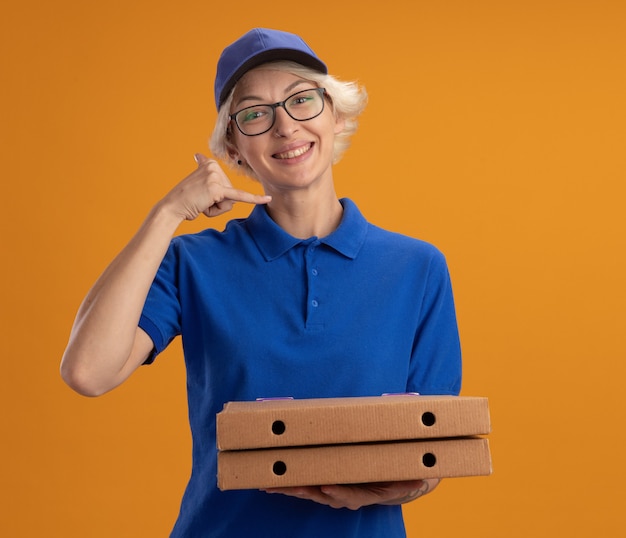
(164, 217)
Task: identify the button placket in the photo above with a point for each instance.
(312, 274)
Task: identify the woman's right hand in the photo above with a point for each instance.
(206, 190)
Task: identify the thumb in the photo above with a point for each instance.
(201, 159)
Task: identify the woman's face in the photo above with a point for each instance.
(292, 154)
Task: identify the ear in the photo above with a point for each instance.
(232, 151)
(340, 124)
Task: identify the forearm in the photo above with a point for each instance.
(102, 340)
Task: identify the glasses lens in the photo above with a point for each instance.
(255, 119)
(305, 105)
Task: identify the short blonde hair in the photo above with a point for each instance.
(348, 101)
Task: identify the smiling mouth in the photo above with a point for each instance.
(293, 154)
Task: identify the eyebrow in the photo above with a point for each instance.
(286, 90)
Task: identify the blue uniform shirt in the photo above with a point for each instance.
(360, 312)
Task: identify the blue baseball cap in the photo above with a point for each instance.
(258, 46)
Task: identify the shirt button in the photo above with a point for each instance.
(314, 303)
(314, 272)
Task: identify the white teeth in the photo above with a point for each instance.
(294, 153)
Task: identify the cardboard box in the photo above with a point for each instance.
(353, 464)
(276, 423)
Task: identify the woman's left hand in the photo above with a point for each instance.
(356, 496)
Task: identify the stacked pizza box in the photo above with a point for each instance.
(289, 442)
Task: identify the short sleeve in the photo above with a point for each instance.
(436, 356)
(161, 314)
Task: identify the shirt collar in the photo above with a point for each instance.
(273, 241)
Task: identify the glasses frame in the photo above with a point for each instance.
(280, 104)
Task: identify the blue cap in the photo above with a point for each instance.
(258, 46)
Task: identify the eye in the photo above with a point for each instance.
(302, 99)
(253, 114)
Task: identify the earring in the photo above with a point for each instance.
(239, 162)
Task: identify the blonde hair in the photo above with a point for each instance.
(348, 101)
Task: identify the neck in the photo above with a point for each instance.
(302, 217)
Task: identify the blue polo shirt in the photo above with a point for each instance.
(360, 312)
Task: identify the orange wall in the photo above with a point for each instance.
(496, 130)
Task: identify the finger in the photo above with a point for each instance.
(294, 490)
(201, 159)
(311, 493)
(224, 205)
(353, 497)
(238, 195)
(349, 497)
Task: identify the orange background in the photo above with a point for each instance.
(495, 129)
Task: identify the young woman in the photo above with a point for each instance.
(303, 298)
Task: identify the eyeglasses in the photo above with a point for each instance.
(301, 106)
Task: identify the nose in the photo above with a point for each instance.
(284, 124)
